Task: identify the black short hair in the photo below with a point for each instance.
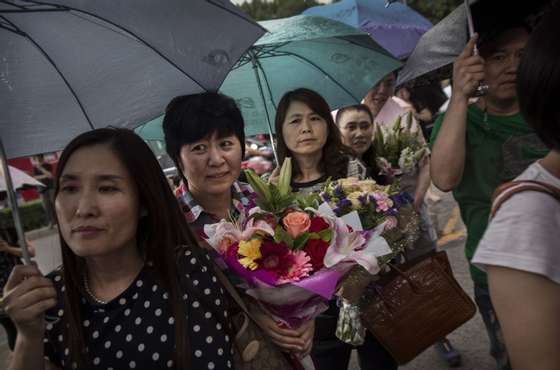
(189, 118)
(538, 80)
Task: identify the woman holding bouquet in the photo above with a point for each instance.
(204, 135)
(134, 290)
(308, 134)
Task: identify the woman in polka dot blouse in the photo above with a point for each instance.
(134, 290)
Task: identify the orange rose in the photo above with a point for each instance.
(296, 223)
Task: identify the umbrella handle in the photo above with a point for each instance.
(12, 203)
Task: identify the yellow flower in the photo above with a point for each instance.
(368, 185)
(349, 184)
(251, 251)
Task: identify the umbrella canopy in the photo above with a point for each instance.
(397, 27)
(68, 66)
(438, 48)
(338, 61)
(19, 179)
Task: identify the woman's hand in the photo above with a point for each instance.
(298, 341)
(27, 295)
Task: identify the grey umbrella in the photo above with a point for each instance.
(68, 66)
(437, 49)
(72, 65)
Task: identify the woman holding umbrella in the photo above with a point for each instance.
(134, 290)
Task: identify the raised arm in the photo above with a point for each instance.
(448, 152)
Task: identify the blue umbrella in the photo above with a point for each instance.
(396, 27)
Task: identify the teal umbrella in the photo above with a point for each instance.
(338, 61)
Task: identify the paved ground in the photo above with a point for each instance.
(470, 339)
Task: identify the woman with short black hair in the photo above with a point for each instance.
(204, 137)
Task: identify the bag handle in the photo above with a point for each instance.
(233, 293)
(507, 190)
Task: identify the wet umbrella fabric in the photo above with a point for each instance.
(74, 65)
(397, 27)
(438, 48)
(338, 61)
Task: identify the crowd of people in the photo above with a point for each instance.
(138, 288)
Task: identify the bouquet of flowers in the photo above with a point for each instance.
(399, 150)
(290, 258)
(387, 212)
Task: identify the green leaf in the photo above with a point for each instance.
(281, 235)
(409, 121)
(300, 241)
(285, 177)
(314, 236)
(326, 235)
(261, 188)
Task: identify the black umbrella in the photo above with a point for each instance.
(438, 48)
(68, 66)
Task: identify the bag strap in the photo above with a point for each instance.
(234, 294)
(507, 190)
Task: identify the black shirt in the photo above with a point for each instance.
(136, 329)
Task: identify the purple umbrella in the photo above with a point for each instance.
(397, 27)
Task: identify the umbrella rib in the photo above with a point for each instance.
(23, 34)
(259, 65)
(323, 71)
(131, 33)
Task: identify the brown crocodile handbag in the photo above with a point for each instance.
(416, 304)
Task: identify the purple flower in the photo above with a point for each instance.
(325, 196)
(391, 212)
(338, 191)
(344, 203)
(363, 200)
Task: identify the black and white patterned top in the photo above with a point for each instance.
(136, 330)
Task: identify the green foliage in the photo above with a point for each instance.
(270, 197)
(281, 235)
(434, 10)
(32, 215)
(301, 240)
(261, 10)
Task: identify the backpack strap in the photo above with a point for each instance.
(507, 190)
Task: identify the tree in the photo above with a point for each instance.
(263, 10)
(434, 10)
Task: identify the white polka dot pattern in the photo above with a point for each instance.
(137, 329)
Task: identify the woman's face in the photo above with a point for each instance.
(211, 165)
(304, 131)
(356, 130)
(98, 204)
